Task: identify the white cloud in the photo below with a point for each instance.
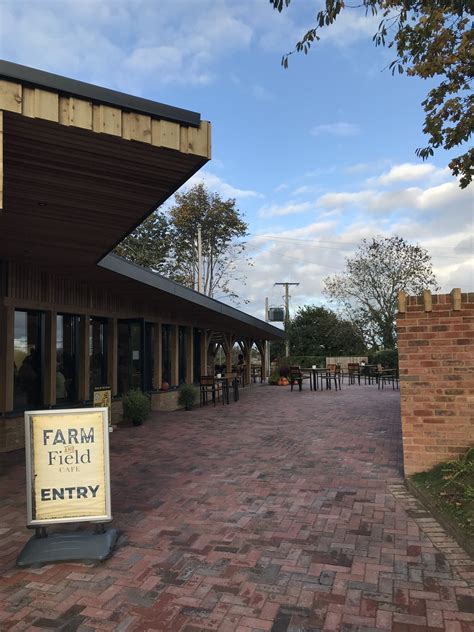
(405, 173)
(340, 128)
(292, 208)
(262, 94)
(215, 183)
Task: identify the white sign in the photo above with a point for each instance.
(67, 466)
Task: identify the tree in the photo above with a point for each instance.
(368, 288)
(168, 245)
(319, 331)
(432, 39)
(149, 245)
(221, 228)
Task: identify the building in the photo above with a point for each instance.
(81, 166)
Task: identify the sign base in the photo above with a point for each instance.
(68, 547)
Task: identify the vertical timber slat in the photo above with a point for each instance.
(7, 326)
(49, 378)
(112, 354)
(84, 360)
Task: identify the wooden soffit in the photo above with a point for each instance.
(78, 175)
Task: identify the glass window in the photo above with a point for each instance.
(67, 357)
(182, 353)
(166, 353)
(149, 356)
(129, 355)
(28, 360)
(98, 353)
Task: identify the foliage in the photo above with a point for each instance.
(386, 357)
(432, 39)
(317, 330)
(306, 361)
(451, 487)
(168, 245)
(368, 289)
(150, 244)
(187, 395)
(136, 406)
(221, 228)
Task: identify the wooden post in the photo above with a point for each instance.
(189, 355)
(112, 355)
(263, 355)
(84, 358)
(50, 358)
(204, 345)
(157, 356)
(228, 352)
(248, 360)
(174, 356)
(7, 333)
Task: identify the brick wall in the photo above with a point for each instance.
(436, 356)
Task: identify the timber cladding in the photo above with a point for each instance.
(34, 102)
(436, 360)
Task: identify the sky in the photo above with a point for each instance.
(318, 156)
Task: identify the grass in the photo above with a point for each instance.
(450, 488)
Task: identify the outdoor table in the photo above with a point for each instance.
(314, 373)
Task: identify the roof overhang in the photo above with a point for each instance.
(83, 166)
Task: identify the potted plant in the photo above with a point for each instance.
(187, 396)
(136, 407)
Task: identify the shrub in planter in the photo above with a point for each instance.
(136, 407)
(274, 377)
(187, 396)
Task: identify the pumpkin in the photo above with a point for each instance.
(165, 386)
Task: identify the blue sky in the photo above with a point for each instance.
(318, 156)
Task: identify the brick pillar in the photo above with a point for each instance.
(436, 360)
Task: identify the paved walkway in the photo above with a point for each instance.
(284, 512)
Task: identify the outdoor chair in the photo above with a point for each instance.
(353, 372)
(296, 376)
(386, 376)
(209, 386)
(333, 374)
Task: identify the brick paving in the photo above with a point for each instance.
(284, 512)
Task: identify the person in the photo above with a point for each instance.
(240, 360)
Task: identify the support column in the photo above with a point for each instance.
(7, 328)
(84, 358)
(263, 356)
(189, 355)
(228, 353)
(157, 356)
(174, 356)
(248, 360)
(204, 345)
(50, 358)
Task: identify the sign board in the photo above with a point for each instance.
(67, 466)
(103, 399)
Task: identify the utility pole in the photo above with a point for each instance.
(199, 244)
(287, 313)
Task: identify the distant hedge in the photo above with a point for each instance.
(387, 357)
(304, 361)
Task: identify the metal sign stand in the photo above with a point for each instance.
(44, 548)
